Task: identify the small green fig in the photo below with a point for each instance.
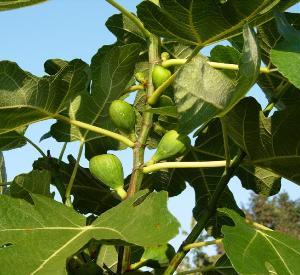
(172, 144)
(122, 115)
(108, 169)
(160, 75)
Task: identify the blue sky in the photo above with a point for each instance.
(71, 29)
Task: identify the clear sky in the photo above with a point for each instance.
(71, 29)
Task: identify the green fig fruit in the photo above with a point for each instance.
(160, 75)
(172, 144)
(108, 169)
(122, 115)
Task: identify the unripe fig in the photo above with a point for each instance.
(122, 115)
(172, 144)
(160, 75)
(165, 56)
(108, 169)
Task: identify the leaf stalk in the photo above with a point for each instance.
(35, 146)
(216, 65)
(201, 244)
(95, 129)
(72, 179)
(172, 165)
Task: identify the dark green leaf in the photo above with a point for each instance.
(170, 181)
(15, 4)
(125, 31)
(257, 251)
(209, 147)
(260, 180)
(26, 99)
(204, 182)
(202, 92)
(90, 195)
(271, 143)
(177, 50)
(286, 55)
(273, 84)
(158, 256)
(35, 182)
(13, 139)
(43, 235)
(111, 70)
(225, 54)
(53, 66)
(223, 266)
(204, 22)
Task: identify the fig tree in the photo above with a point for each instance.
(108, 169)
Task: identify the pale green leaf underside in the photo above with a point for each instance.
(253, 251)
(40, 237)
(202, 92)
(14, 4)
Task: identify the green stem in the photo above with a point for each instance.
(138, 265)
(63, 149)
(201, 244)
(258, 225)
(158, 92)
(72, 179)
(216, 65)
(134, 88)
(130, 16)
(35, 146)
(208, 212)
(139, 146)
(95, 129)
(195, 164)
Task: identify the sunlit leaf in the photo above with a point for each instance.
(43, 235)
(258, 251)
(286, 55)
